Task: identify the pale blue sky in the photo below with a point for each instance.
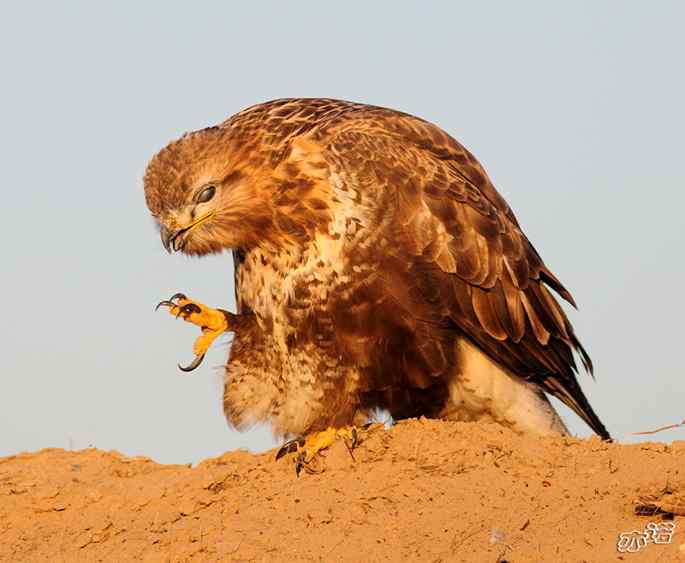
(575, 108)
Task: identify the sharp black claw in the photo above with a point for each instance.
(353, 443)
(299, 464)
(196, 362)
(170, 302)
(289, 447)
(165, 303)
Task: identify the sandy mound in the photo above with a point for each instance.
(421, 491)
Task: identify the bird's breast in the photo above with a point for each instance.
(287, 290)
(293, 290)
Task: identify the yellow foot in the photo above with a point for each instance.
(213, 322)
(308, 448)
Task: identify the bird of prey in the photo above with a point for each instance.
(376, 267)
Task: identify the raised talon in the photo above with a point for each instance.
(213, 322)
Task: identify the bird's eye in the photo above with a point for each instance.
(205, 195)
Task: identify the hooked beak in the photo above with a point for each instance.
(168, 238)
(173, 240)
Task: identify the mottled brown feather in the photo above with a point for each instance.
(488, 250)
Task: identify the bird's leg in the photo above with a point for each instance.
(307, 449)
(213, 322)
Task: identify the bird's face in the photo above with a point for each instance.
(176, 225)
(203, 197)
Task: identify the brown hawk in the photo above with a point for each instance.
(376, 267)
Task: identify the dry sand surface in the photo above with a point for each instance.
(420, 491)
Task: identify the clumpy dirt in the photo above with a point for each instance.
(420, 491)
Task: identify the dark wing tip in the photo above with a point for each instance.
(570, 393)
(551, 280)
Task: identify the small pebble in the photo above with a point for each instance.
(496, 536)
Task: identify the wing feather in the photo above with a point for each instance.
(478, 270)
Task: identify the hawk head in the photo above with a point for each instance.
(203, 192)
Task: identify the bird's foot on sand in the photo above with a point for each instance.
(213, 322)
(306, 450)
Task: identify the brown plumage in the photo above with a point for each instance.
(379, 267)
